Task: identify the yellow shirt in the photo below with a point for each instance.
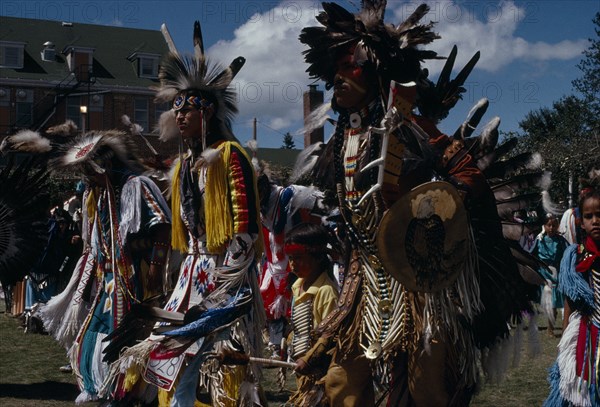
(324, 293)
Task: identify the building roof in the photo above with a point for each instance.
(111, 48)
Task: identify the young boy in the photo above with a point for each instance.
(315, 295)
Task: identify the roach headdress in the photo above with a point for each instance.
(191, 81)
(390, 51)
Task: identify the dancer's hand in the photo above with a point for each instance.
(302, 367)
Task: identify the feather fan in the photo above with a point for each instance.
(23, 217)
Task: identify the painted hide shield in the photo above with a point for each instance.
(423, 238)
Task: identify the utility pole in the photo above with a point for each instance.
(254, 129)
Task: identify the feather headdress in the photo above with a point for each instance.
(191, 80)
(91, 152)
(390, 50)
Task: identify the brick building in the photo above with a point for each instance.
(52, 71)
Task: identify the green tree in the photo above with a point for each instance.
(589, 83)
(288, 141)
(564, 137)
(567, 134)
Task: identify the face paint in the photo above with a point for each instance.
(350, 83)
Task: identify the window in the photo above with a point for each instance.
(140, 116)
(73, 109)
(4, 97)
(145, 64)
(11, 54)
(96, 103)
(24, 114)
(24, 108)
(148, 67)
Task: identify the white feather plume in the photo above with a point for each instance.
(550, 206)
(535, 162)
(306, 161)
(252, 145)
(316, 119)
(126, 120)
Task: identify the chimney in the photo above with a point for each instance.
(313, 98)
(49, 52)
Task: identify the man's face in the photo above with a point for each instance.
(189, 122)
(350, 87)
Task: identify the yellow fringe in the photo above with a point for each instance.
(164, 398)
(217, 213)
(232, 381)
(91, 204)
(131, 378)
(217, 210)
(178, 233)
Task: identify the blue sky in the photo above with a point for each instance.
(529, 48)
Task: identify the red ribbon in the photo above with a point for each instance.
(585, 355)
(591, 255)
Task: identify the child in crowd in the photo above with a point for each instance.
(315, 295)
(573, 378)
(549, 248)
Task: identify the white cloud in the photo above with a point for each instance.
(489, 27)
(271, 84)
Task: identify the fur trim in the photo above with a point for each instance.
(134, 128)
(67, 129)
(26, 141)
(167, 126)
(572, 388)
(211, 155)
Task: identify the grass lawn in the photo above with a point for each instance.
(29, 374)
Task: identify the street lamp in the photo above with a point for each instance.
(83, 111)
